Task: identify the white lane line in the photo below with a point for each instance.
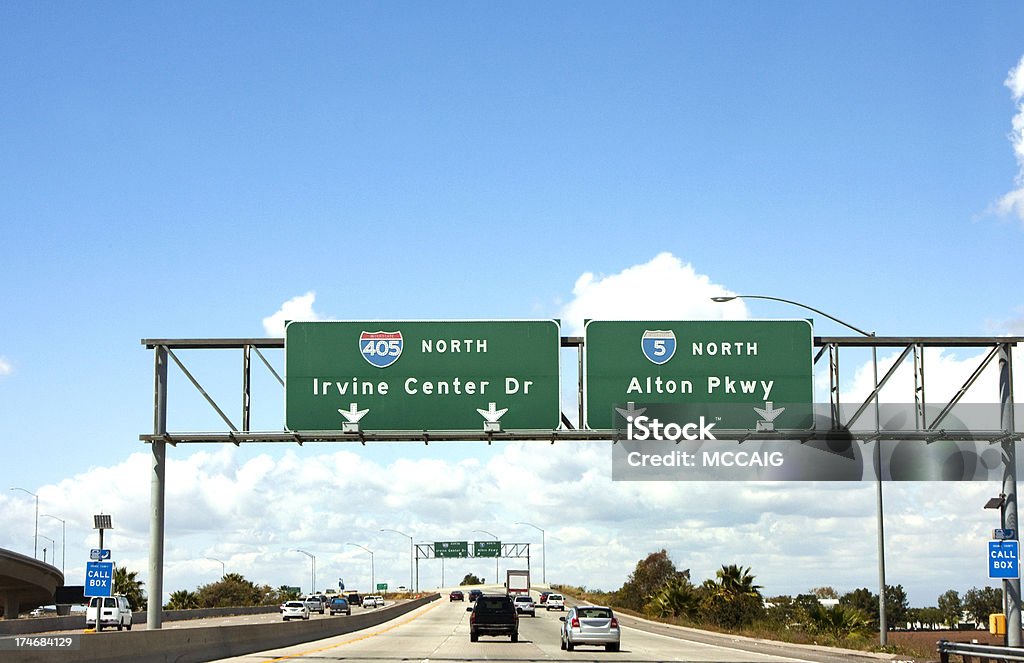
(709, 646)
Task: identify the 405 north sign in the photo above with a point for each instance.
(448, 375)
(742, 374)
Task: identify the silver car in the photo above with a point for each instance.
(590, 625)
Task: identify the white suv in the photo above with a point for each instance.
(555, 602)
(114, 611)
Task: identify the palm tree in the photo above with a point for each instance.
(183, 599)
(677, 598)
(734, 580)
(127, 583)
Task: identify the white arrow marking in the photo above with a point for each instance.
(353, 415)
(769, 412)
(490, 414)
(630, 411)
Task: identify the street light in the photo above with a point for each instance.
(312, 571)
(223, 571)
(52, 543)
(411, 554)
(35, 540)
(543, 552)
(63, 539)
(883, 628)
(373, 586)
(483, 531)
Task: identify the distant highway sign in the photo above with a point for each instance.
(487, 549)
(451, 549)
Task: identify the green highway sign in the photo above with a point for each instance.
(446, 375)
(487, 549)
(382, 586)
(700, 367)
(451, 549)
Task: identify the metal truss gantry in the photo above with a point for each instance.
(999, 351)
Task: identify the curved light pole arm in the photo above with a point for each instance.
(543, 551)
(722, 300)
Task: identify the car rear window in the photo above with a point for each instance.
(496, 603)
(594, 613)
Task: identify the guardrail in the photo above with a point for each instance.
(971, 652)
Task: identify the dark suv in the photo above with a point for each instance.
(493, 615)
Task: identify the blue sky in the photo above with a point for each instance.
(183, 170)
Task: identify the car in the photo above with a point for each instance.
(43, 611)
(493, 615)
(525, 605)
(339, 605)
(113, 611)
(314, 604)
(456, 596)
(543, 597)
(379, 599)
(474, 594)
(294, 610)
(555, 602)
(590, 625)
(354, 598)
(373, 601)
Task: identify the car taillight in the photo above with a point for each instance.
(615, 623)
(472, 618)
(575, 622)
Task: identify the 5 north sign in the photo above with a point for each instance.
(446, 375)
(717, 369)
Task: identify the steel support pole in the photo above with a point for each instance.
(1011, 587)
(883, 624)
(154, 609)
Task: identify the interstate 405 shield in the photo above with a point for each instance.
(420, 375)
(738, 374)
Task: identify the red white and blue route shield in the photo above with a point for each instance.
(658, 345)
(380, 348)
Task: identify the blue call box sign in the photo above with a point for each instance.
(99, 554)
(1003, 559)
(99, 578)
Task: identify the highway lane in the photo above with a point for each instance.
(439, 633)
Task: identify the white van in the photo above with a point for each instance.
(114, 611)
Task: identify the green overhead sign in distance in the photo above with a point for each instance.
(418, 375)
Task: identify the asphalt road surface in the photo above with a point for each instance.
(439, 633)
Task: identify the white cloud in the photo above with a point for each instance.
(665, 288)
(1013, 202)
(251, 507)
(296, 308)
(5, 366)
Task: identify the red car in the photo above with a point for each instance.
(456, 596)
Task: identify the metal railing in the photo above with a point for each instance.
(973, 652)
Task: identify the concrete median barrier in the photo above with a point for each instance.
(194, 645)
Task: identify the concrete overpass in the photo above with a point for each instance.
(26, 583)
